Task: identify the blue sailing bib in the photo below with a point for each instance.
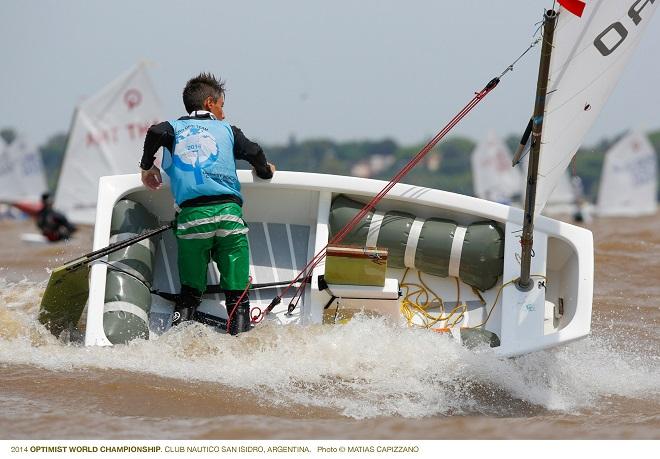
(202, 163)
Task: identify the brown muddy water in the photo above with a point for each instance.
(365, 380)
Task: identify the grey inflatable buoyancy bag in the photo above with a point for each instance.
(426, 245)
(129, 278)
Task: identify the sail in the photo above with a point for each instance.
(588, 57)
(22, 176)
(106, 138)
(629, 181)
(493, 177)
(562, 199)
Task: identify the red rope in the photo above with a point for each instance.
(309, 267)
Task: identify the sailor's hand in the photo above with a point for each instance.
(151, 178)
(266, 173)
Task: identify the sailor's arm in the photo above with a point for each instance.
(252, 153)
(158, 135)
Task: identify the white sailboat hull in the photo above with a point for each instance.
(556, 310)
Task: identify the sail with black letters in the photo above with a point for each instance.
(589, 54)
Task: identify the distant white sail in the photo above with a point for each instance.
(22, 176)
(107, 138)
(629, 181)
(588, 57)
(493, 177)
(562, 200)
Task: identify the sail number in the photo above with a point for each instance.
(616, 32)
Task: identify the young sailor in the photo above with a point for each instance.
(199, 153)
(54, 225)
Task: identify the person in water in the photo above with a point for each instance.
(199, 154)
(54, 225)
(581, 214)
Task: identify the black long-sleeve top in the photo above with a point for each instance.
(162, 135)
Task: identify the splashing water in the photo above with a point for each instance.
(364, 369)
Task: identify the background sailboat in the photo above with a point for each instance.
(562, 201)
(493, 178)
(106, 138)
(22, 177)
(629, 182)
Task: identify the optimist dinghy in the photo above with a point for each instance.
(465, 250)
(513, 279)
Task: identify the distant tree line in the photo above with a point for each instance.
(447, 167)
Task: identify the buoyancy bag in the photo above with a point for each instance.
(441, 247)
(130, 275)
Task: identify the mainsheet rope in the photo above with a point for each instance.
(305, 274)
(320, 255)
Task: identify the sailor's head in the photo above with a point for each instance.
(205, 92)
(47, 199)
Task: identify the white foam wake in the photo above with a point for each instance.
(366, 368)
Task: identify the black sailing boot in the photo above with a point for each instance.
(186, 305)
(239, 315)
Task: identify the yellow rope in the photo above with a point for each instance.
(417, 302)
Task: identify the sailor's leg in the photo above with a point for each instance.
(238, 312)
(233, 261)
(186, 305)
(232, 255)
(194, 244)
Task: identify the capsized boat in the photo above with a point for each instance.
(512, 279)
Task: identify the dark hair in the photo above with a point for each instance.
(201, 87)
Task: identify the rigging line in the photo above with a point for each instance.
(371, 204)
(309, 267)
(529, 48)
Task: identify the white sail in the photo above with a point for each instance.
(22, 176)
(562, 200)
(629, 181)
(493, 177)
(588, 57)
(106, 138)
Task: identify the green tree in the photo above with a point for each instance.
(52, 155)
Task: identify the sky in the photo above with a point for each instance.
(340, 69)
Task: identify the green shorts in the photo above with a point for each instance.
(215, 232)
